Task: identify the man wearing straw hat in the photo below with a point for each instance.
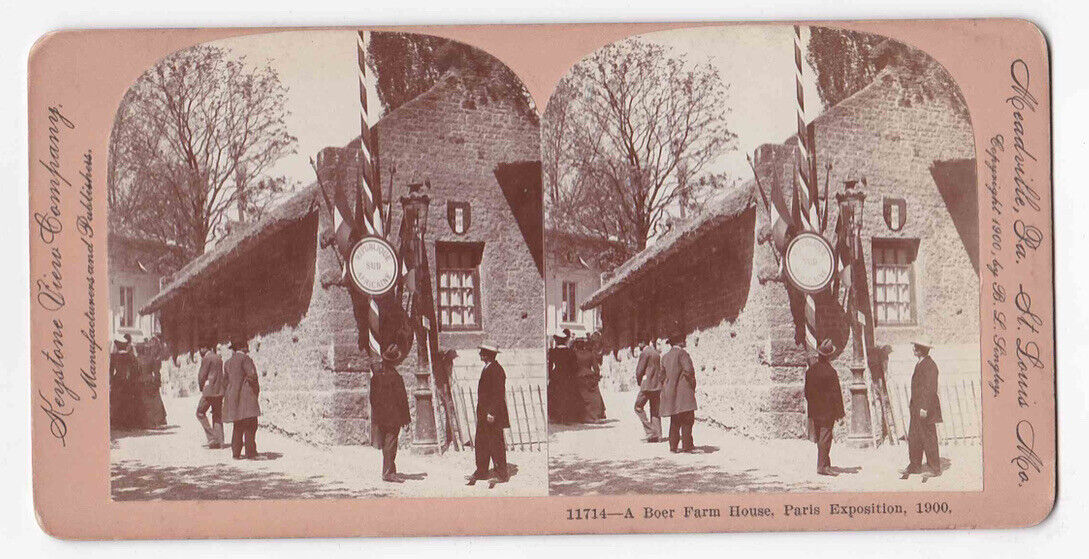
(389, 408)
(926, 412)
(824, 404)
(491, 417)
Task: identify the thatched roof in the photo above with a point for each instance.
(717, 212)
(298, 206)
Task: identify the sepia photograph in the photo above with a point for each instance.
(528, 279)
(326, 273)
(762, 267)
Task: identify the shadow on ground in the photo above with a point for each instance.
(131, 480)
(564, 427)
(571, 475)
(152, 432)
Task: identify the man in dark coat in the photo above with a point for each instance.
(648, 375)
(240, 405)
(824, 403)
(491, 417)
(389, 408)
(211, 381)
(926, 411)
(679, 395)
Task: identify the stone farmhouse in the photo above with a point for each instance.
(715, 277)
(265, 283)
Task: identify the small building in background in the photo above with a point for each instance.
(574, 264)
(136, 269)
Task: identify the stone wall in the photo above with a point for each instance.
(455, 144)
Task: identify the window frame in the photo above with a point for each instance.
(128, 306)
(572, 304)
(442, 251)
(911, 246)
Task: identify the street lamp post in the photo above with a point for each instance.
(415, 206)
(851, 203)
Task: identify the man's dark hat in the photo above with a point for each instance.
(675, 339)
(826, 348)
(240, 344)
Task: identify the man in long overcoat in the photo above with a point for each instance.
(211, 381)
(648, 375)
(491, 417)
(926, 412)
(824, 404)
(678, 399)
(389, 408)
(240, 406)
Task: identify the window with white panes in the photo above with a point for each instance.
(459, 285)
(894, 282)
(570, 302)
(128, 306)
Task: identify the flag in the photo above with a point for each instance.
(844, 262)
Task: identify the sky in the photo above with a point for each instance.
(757, 64)
(320, 72)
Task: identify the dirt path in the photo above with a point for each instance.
(171, 463)
(612, 458)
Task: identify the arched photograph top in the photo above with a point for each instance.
(312, 234)
(748, 229)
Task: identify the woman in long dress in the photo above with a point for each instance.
(589, 378)
(148, 402)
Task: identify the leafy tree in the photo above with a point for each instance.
(408, 64)
(192, 142)
(625, 136)
(847, 61)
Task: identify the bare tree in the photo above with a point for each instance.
(193, 140)
(638, 123)
(557, 153)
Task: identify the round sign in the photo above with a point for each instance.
(373, 266)
(809, 262)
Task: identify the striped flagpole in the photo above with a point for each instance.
(808, 195)
(368, 199)
(805, 163)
